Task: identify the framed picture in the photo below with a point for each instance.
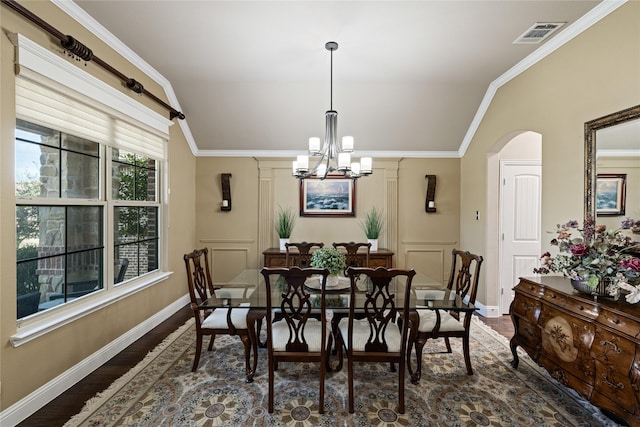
(610, 194)
(333, 196)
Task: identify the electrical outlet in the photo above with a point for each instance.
(477, 215)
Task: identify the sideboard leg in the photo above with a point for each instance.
(514, 351)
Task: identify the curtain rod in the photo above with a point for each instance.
(81, 51)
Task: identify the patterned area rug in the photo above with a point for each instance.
(162, 391)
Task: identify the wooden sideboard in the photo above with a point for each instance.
(274, 257)
(589, 344)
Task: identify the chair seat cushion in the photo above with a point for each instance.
(361, 331)
(448, 323)
(312, 335)
(218, 319)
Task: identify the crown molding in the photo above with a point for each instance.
(289, 154)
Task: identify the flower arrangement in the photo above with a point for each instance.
(595, 254)
(329, 258)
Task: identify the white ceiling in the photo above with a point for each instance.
(409, 76)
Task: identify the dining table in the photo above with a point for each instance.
(247, 290)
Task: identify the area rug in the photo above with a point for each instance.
(162, 391)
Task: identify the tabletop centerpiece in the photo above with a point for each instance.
(331, 259)
(596, 260)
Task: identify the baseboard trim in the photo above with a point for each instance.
(25, 407)
(488, 310)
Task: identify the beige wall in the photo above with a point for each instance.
(596, 73)
(26, 368)
(397, 187)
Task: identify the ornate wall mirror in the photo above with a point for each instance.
(612, 150)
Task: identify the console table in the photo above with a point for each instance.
(274, 257)
(589, 344)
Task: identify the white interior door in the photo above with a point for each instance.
(520, 197)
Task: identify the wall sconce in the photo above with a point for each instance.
(225, 180)
(430, 203)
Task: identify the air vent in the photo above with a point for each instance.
(538, 32)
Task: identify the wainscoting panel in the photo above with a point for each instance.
(229, 258)
(430, 258)
(427, 261)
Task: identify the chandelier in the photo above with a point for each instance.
(333, 157)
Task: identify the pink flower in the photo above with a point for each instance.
(579, 249)
(631, 264)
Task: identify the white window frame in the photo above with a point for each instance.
(36, 62)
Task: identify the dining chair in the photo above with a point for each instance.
(373, 333)
(463, 280)
(212, 321)
(352, 258)
(294, 332)
(302, 256)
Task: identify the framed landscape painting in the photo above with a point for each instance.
(610, 194)
(333, 196)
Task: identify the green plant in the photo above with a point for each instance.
(285, 220)
(373, 223)
(329, 258)
(26, 275)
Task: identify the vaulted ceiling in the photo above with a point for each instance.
(409, 77)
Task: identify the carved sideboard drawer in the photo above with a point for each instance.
(276, 262)
(614, 356)
(566, 378)
(605, 402)
(529, 336)
(582, 308)
(554, 297)
(620, 323)
(566, 340)
(526, 308)
(530, 288)
(378, 262)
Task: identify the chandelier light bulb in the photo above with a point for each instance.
(314, 144)
(347, 143)
(366, 165)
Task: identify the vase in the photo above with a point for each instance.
(282, 242)
(600, 290)
(374, 244)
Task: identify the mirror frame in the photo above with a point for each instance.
(590, 173)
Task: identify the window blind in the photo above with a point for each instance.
(48, 106)
(44, 106)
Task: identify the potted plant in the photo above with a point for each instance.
(372, 226)
(285, 220)
(331, 259)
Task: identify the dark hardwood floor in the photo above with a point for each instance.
(69, 403)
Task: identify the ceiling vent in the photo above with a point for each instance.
(538, 32)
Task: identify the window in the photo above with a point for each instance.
(62, 211)
(134, 180)
(89, 214)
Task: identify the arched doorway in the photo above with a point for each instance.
(513, 213)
